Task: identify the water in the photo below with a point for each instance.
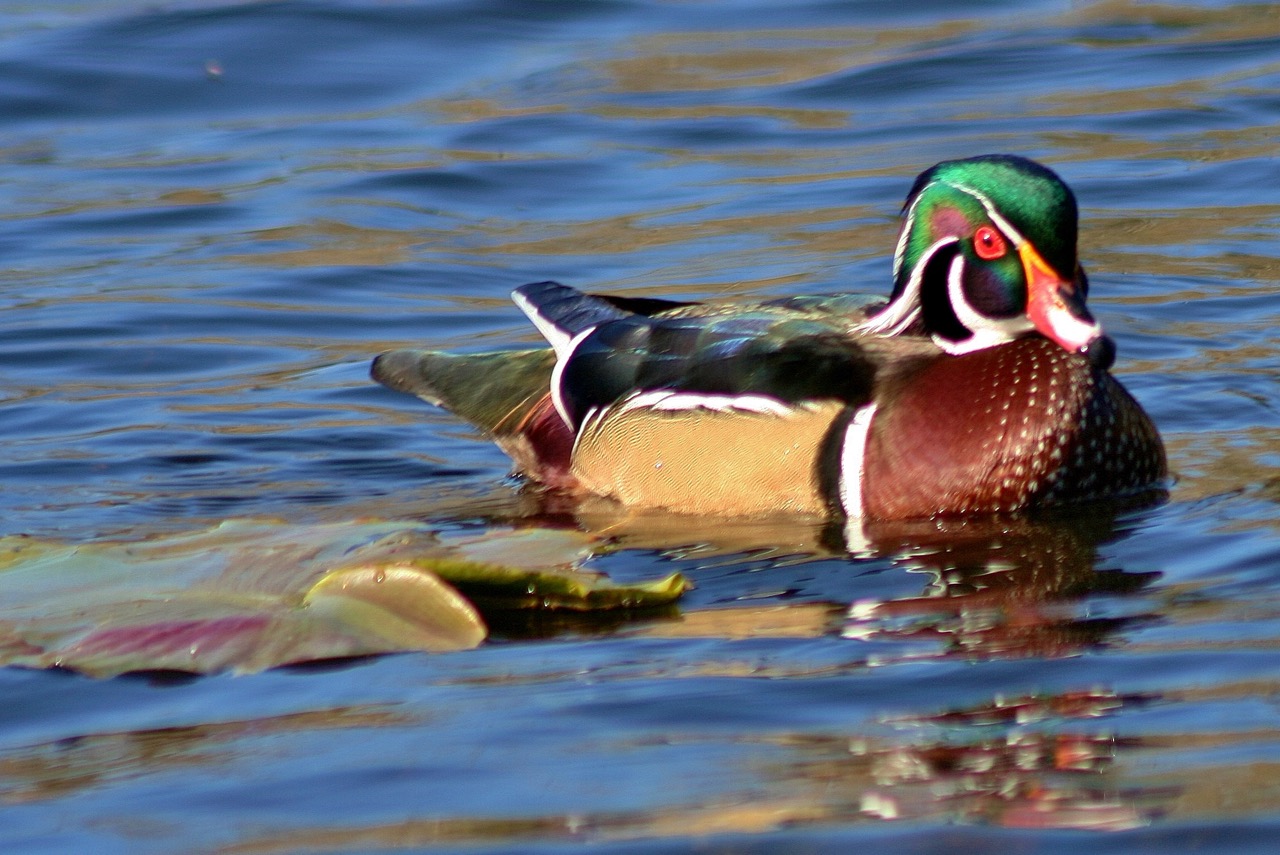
(213, 214)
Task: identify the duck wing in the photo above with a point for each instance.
(785, 352)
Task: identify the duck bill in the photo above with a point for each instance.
(1056, 305)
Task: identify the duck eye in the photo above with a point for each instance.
(989, 244)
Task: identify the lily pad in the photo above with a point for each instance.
(496, 586)
(250, 595)
(531, 568)
(412, 609)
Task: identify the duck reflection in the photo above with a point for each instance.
(992, 588)
(1001, 587)
(1026, 762)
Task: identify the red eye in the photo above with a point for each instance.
(989, 244)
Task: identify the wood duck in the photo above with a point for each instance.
(979, 386)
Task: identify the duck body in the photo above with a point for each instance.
(968, 391)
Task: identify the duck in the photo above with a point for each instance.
(981, 385)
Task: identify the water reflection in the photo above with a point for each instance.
(1017, 586)
(75, 764)
(978, 590)
(1013, 587)
(1028, 762)
(991, 589)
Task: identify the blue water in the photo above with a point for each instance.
(212, 215)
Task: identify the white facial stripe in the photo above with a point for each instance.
(853, 460)
(980, 340)
(908, 220)
(987, 332)
(898, 315)
(1004, 225)
(557, 373)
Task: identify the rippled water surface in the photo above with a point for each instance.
(212, 215)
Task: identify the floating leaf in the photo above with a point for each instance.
(250, 595)
(530, 568)
(496, 586)
(195, 644)
(409, 607)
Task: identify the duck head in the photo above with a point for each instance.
(987, 254)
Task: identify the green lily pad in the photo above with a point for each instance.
(496, 586)
(412, 609)
(530, 568)
(249, 595)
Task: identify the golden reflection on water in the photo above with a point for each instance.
(1023, 779)
(712, 61)
(630, 233)
(69, 766)
(1226, 462)
(1182, 23)
(1165, 243)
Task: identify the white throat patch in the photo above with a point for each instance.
(987, 332)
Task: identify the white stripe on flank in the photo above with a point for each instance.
(853, 459)
(671, 400)
(588, 426)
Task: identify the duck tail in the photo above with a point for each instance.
(493, 391)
